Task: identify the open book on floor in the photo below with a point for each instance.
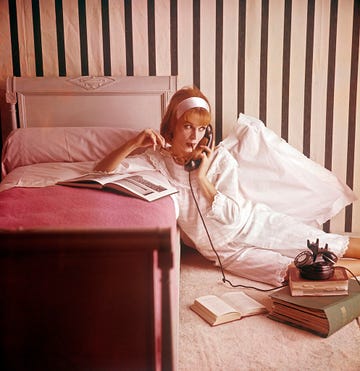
(228, 307)
(147, 185)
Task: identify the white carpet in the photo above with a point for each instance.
(253, 343)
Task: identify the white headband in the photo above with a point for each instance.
(188, 103)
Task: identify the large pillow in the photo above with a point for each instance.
(273, 172)
(62, 144)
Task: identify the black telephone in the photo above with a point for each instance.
(317, 264)
(195, 159)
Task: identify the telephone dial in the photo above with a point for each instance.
(195, 160)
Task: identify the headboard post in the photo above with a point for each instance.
(11, 99)
(9, 113)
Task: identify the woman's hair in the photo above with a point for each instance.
(169, 120)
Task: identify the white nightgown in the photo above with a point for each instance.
(252, 240)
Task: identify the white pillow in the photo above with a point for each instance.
(273, 172)
(62, 144)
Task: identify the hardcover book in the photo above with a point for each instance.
(147, 185)
(231, 306)
(322, 315)
(335, 285)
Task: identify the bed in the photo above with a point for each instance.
(88, 279)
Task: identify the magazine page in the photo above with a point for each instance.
(94, 178)
(150, 185)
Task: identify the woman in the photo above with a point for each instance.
(251, 240)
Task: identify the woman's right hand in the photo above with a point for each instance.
(146, 138)
(149, 138)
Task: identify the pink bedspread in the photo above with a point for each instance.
(63, 207)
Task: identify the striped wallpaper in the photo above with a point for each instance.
(293, 63)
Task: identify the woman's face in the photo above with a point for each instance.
(188, 132)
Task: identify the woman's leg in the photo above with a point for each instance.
(352, 256)
(352, 264)
(353, 250)
(256, 264)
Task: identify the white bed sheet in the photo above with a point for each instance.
(44, 174)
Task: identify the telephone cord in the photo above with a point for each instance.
(224, 279)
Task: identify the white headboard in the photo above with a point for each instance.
(138, 101)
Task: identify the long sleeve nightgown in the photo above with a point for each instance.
(252, 240)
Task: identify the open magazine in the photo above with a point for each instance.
(147, 185)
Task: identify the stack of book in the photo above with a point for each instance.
(336, 285)
(322, 315)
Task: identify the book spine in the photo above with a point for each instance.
(299, 292)
(344, 312)
(290, 322)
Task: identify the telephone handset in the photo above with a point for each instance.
(195, 159)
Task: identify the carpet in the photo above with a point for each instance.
(252, 343)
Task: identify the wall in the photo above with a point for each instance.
(293, 63)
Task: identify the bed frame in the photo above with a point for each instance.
(74, 297)
(88, 300)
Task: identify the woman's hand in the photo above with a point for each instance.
(206, 156)
(148, 138)
(206, 186)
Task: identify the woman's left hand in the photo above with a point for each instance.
(206, 156)
(206, 186)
